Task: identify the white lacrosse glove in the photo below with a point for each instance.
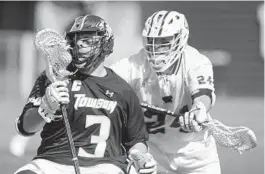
(56, 94)
(191, 121)
(144, 163)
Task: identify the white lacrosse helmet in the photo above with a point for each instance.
(164, 37)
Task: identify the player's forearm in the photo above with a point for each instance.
(206, 100)
(142, 147)
(32, 121)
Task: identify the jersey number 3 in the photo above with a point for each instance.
(100, 139)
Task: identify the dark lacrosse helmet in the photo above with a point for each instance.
(96, 34)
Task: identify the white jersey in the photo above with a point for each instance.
(173, 92)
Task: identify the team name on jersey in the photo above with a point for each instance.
(99, 103)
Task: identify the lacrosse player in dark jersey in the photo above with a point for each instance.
(104, 113)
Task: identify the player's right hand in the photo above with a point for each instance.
(191, 121)
(56, 94)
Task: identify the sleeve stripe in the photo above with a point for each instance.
(203, 91)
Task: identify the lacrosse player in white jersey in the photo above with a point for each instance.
(170, 74)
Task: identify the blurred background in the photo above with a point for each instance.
(231, 34)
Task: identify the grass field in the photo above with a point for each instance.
(232, 111)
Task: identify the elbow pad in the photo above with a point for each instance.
(20, 129)
(210, 93)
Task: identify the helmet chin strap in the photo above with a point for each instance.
(173, 69)
(90, 67)
(90, 70)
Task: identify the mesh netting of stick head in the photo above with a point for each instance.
(238, 138)
(54, 46)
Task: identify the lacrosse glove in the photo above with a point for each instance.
(56, 94)
(191, 121)
(144, 163)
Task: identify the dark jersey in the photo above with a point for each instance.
(105, 117)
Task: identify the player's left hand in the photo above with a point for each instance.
(191, 121)
(144, 163)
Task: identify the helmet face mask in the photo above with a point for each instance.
(91, 40)
(85, 47)
(158, 49)
(158, 46)
(164, 38)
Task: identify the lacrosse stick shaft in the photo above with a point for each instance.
(159, 110)
(238, 138)
(70, 139)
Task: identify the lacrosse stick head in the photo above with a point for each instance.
(55, 48)
(238, 138)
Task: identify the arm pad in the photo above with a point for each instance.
(19, 126)
(204, 91)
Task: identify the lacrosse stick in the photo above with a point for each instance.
(238, 138)
(54, 47)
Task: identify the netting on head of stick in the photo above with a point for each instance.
(54, 46)
(238, 138)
